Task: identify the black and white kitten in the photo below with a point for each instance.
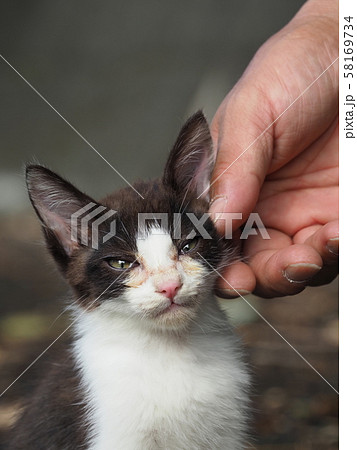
(154, 363)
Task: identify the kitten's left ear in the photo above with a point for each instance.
(191, 160)
(55, 201)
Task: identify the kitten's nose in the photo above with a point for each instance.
(169, 288)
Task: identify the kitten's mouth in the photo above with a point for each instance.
(175, 307)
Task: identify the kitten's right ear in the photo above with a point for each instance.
(190, 164)
(55, 201)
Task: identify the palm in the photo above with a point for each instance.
(303, 193)
(299, 205)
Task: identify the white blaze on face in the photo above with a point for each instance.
(158, 258)
(156, 250)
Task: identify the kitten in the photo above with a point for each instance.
(153, 363)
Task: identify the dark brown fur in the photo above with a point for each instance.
(53, 417)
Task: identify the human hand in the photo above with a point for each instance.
(287, 172)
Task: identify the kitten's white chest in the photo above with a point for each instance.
(145, 393)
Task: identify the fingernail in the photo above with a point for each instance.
(232, 293)
(217, 207)
(333, 246)
(300, 272)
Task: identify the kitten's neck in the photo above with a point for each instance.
(140, 379)
(111, 327)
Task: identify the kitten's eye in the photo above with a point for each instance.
(188, 246)
(120, 264)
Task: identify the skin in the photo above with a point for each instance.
(289, 175)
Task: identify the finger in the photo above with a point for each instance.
(324, 239)
(285, 271)
(237, 279)
(305, 233)
(243, 155)
(239, 276)
(256, 243)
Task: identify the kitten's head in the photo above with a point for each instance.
(157, 268)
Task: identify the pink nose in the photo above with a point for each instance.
(169, 289)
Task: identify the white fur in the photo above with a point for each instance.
(155, 248)
(161, 388)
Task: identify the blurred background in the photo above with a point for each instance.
(126, 75)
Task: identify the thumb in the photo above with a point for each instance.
(244, 149)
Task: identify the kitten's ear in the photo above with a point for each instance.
(55, 200)
(191, 160)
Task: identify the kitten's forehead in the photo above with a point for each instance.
(155, 248)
